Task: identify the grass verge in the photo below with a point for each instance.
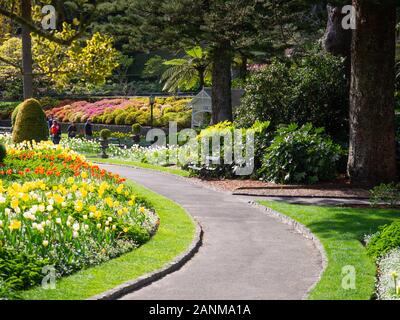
(176, 171)
(175, 234)
(340, 230)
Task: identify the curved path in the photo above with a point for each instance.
(245, 254)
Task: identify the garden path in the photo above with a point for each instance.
(246, 254)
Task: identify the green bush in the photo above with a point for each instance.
(48, 102)
(130, 118)
(386, 239)
(14, 115)
(309, 89)
(109, 119)
(30, 123)
(136, 128)
(299, 155)
(105, 134)
(19, 271)
(120, 119)
(3, 152)
(385, 193)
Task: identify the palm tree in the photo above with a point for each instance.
(190, 72)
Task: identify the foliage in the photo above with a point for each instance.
(191, 72)
(386, 239)
(154, 68)
(6, 109)
(309, 89)
(385, 193)
(3, 152)
(105, 134)
(91, 62)
(57, 207)
(300, 154)
(14, 115)
(389, 270)
(136, 128)
(30, 123)
(126, 111)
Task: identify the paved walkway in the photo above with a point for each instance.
(245, 254)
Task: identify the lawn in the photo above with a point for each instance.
(171, 170)
(340, 231)
(175, 234)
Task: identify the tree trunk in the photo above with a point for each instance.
(221, 87)
(26, 13)
(201, 72)
(337, 40)
(372, 154)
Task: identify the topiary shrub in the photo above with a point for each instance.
(299, 155)
(14, 115)
(105, 134)
(30, 123)
(136, 128)
(385, 240)
(3, 153)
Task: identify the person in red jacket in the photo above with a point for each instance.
(55, 132)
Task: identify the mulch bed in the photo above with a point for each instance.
(340, 188)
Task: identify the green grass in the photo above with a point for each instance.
(170, 170)
(340, 230)
(175, 234)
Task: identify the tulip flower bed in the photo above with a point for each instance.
(57, 209)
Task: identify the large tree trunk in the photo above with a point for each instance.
(337, 40)
(221, 87)
(26, 13)
(372, 154)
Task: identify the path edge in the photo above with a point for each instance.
(147, 279)
(304, 231)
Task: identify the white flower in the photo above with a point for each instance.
(42, 208)
(114, 227)
(106, 229)
(75, 234)
(48, 223)
(34, 209)
(49, 208)
(63, 204)
(86, 227)
(58, 220)
(7, 211)
(45, 243)
(85, 217)
(2, 199)
(109, 219)
(34, 225)
(1, 223)
(51, 201)
(107, 223)
(18, 210)
(68, 223)
(98, 226)
(76, 226)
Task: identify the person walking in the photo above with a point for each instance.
(50, 121)
(72, 130)
(55, 132)
(88, 129)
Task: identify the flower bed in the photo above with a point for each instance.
(57, 209)
(125, 111)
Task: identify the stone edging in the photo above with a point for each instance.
(149, 278)
(303, 230)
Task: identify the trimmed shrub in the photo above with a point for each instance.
(105, 134)
(298, 155)
(30, 123)
(389, 194)
(130, 118)
(386, 239)
(14, 115)
(136, 128)
(3, 153)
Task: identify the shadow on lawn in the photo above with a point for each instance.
(350, 223)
